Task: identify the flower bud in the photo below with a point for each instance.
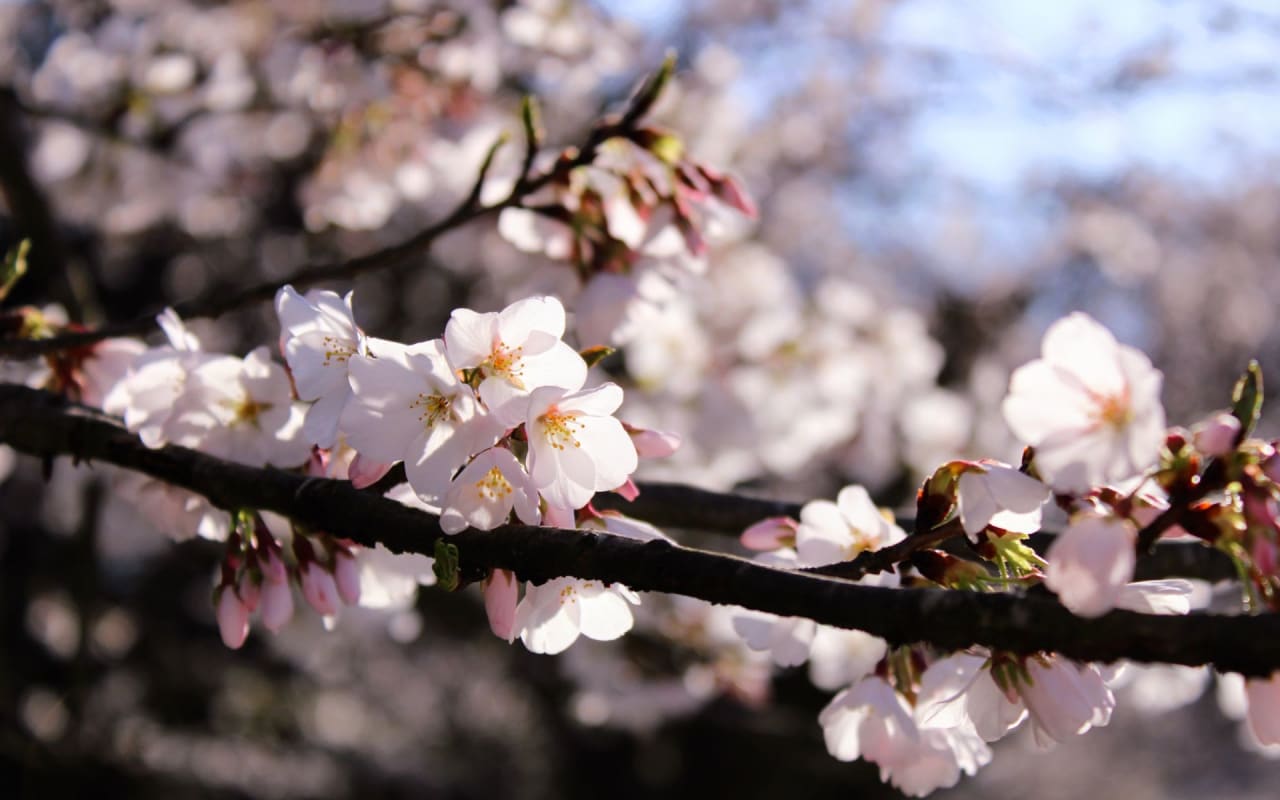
(277, 604)
(500, 594)
(346, 574)
(249, 589)
(364, 472)
(1216, 436)
(273, 569)
(653, 444)
(319, 588)
(233, 618)
(770, 534)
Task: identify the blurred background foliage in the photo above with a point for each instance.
(937, 182)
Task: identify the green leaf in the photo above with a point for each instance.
(1246, 399)
(15, 266)
(594, 355)
(446, 565)
(531, 119)
(650, 91)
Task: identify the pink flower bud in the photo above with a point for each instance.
(273, 569)
(346, 573)
(277, 604)
(500, 594)
(1216, 436)
(654, 444)
(364, 472)
(233, 618)
(770, 534)
(249, 589)
(319, 588)
(731, 193)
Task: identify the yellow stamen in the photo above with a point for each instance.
(559, 428)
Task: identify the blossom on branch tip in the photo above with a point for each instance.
(1089, 406)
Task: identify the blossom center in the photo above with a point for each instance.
(1113, 410)
(559, 429)
(247, 411)
(507, 362)
(435, 407)
(337, 351)
(494, 485)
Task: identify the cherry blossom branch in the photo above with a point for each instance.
(43, 424)
(468, 210)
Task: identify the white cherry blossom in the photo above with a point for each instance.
(1089, 406)
(992, 493)
(517, 350)
(240, 409)
(833, 532)
(483, 495)
(576, 448)
(408, 405)
(552, 616)
(318, 337)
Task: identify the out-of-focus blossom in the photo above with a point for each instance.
(1089, 406)
(1091, 562)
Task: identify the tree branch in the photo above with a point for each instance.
(43, 424)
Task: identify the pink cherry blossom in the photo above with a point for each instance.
(319, 589)
(240, 409)
(277, 604)
(346, 576)
(1064, 699)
